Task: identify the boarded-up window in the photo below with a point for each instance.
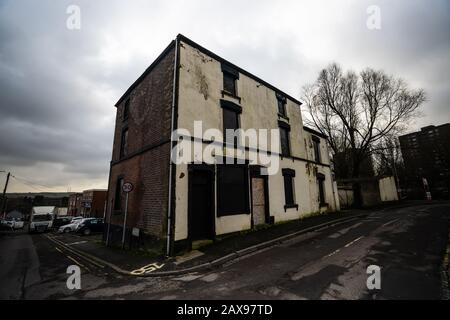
(232, 190)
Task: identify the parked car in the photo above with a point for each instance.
(13, 224)
(69, 227)
(90, 225)
(61, 221)
(76, 219)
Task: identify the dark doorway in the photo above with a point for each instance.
(201, 202)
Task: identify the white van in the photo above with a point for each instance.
(41, 219)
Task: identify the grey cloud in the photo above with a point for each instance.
(58, 87)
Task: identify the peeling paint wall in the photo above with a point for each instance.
(200, 92)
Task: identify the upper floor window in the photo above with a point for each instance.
(124, 143)
(284, 138)
(320, 182)
(316, 146)
(289, 192)
(281, 101)
(230, 77)
(126, 109)
(231, 113)
(229, 84)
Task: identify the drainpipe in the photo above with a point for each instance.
(169, 205)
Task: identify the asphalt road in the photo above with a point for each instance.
(407, 244)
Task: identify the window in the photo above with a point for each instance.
(124, 143)
(281, 105)
(118, 195)
(316, 146)
(289, 193)
(232, 190)
(231, 113)
(320, 182)
(229, 84)
(230, 119)
(285, 149)
(230, 75)
(126, 109)
(230, 122)
(284, 137)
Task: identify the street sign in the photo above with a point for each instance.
(127, 187)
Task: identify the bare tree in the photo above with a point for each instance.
(358, 112)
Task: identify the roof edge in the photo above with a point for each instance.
(248, 74)
(317, 133)
(146, 72)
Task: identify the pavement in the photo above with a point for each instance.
(213, 254)
(408, 243)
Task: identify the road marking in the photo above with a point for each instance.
(74, 243)
(352, 242)
(390, 222)
(58, 242)
(73, 259)
(332, 254)
(76, 261)
(346, 246)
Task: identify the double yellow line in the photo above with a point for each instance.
(73, 252)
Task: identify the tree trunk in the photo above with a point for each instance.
(356, 186)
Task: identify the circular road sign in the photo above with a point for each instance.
(127, 187)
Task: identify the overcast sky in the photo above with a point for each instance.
(58, 86)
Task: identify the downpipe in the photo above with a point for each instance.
(169, 205)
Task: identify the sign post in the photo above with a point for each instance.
(127, 188)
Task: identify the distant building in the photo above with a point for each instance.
(426, 155)
(93, 203)
(75, 204)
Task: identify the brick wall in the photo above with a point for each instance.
(147, 162)
(98, 203)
